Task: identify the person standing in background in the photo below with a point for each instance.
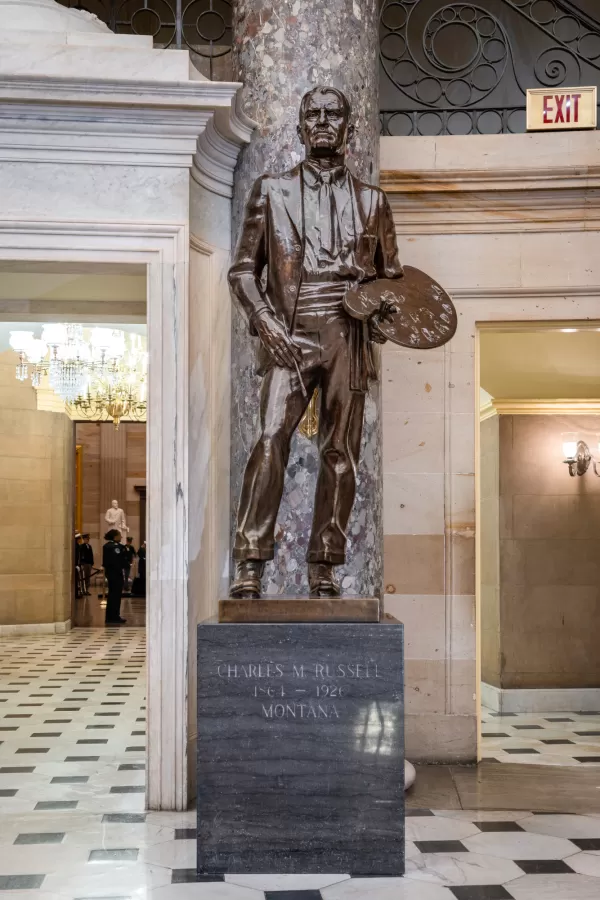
(139, 587)
(129, 556)
(79, 583)
(86, 561)
(112, 561)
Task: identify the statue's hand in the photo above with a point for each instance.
(384, 314)
(276, 341)
(374, 335)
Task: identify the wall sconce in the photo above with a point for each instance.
(577, 454)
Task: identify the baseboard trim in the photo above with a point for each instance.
(539, 700)
(36, 628)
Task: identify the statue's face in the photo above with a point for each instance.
(115, 504)
(324, 127)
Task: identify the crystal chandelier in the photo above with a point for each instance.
(101, 373)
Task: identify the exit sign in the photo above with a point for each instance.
(561, 108)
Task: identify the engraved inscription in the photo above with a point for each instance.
(324, 686)
(300, 711)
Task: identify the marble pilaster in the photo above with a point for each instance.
(281, 50)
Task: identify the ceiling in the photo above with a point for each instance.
(68, 292)
(541, 365)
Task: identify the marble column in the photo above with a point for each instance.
(282, 48)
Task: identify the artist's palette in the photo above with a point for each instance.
(426, 316)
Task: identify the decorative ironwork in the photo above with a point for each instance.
(202, 26)
(464, 68)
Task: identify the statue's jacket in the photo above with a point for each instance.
(272, 241)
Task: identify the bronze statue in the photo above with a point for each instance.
(317, 230)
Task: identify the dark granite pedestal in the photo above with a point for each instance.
(300, 748)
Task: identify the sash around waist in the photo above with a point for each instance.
(328, 296)
(321, 296)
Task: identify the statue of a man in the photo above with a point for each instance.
(317, 230)
(116, 517)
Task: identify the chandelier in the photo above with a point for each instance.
(100, 373)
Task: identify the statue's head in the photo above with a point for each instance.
(114, 504)
(324, 126)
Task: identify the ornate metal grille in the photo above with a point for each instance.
(202, 26)
(464, 68)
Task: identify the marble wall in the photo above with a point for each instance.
(127, 457)
(549, 595)
(509, 225)
(36, 509)
(489, 564)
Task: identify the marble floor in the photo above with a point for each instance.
(549, 739)
(73, 825)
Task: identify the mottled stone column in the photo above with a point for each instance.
(282, 48)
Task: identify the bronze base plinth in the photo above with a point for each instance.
(278, 609)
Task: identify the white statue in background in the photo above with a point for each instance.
(116, 518)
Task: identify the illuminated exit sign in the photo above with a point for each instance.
(564, 108)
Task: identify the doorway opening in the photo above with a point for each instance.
(538, 561)
(60, 460)
(110, 474)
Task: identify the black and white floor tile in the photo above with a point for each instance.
(73, 825)
(552, 739)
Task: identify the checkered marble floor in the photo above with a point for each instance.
(552, 739)
(73, 825)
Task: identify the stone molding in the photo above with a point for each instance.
(118, 122)
(539, 700)
(438, 201)
(192, 95)
(544, 292)
(508, 407)
(497, 179)
(218, 148)
(487, 411)
(36, 628)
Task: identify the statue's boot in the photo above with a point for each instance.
(321, 581)
(246, 584)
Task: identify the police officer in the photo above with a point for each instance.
(79, 577)
(86, 561)
(112, 561)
